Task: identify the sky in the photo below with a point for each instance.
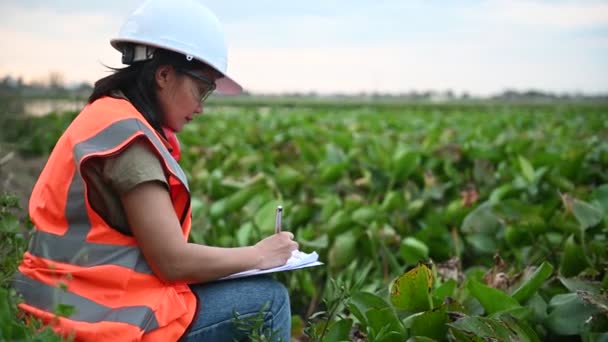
(481, 47)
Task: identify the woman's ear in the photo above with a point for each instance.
(164, 75)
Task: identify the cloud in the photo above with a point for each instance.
(563, 15)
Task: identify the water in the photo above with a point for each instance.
(43, 107)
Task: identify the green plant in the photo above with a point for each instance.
(12, 325)
(376, 188)
(253, 327)
(330, 324)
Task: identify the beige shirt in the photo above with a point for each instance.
(109, 177)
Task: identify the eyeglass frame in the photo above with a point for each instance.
(208, 83)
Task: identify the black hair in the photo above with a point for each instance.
(137, 82)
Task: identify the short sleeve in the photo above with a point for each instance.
(135, 165)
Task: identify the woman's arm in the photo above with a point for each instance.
(157, 230)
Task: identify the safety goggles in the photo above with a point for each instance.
(209, 85)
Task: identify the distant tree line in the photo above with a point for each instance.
(54, 86)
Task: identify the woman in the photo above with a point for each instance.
(112, 206)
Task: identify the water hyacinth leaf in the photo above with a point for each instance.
(360, 302)
(218, 208)
(431, 324)
(574, 284)
(388, 336)
(445, 290)
(244, 234)
(309, 151)
(538, 306)
(573, 258)
(332, 172)
(390, 257)
(288, 177)
(476, 328)
(259, 199)
(319, 243)
(414, 207)
(306, 283)
(375, 154)
(330, 204)
(525, 215)
(421, 339)
(452, 172)
(504, 328)
(455, 211)
(409, 320)
(565, 222)
(339, 331)
(404, 163)
(197, 206)
(492, 300)
(411, 291)
(483, 171)
(393, 200)
(568, 314)
(334, 154)
(383, 319)
(354, 201)
(521, 313)
(481, 220)
(600, 194)
(364, 215)
(532, 284)
(600, 301)
(235, 201)
(413, 250)
(264, 218)
(586, 214)
(299, 215)
(338, 223)
(436, 191)
(560, 182)
(343, 139)
(526, 169)
(499, 193)
(517, 236)
(343, 251)
(482, 243)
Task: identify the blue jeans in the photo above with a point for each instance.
(218, 302)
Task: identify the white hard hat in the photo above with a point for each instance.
(184, 26)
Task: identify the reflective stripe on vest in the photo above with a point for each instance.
(46, 297)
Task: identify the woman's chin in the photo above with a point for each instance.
(177, 127)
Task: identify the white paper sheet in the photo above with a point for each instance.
(296, 261)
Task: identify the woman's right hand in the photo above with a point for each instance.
(275, 250)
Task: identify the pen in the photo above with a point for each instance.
(277, 219)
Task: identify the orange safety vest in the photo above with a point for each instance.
(76, 259)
